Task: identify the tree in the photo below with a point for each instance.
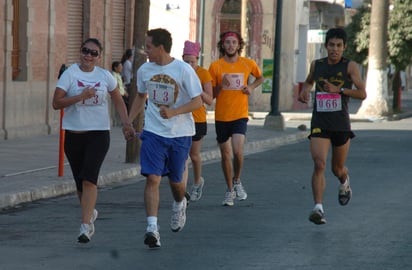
(375, 105)
(400, 44)
(358, 35)
(141, 25)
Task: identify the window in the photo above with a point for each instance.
(19, 51)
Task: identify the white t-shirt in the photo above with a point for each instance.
(92, 113)
(173, 85)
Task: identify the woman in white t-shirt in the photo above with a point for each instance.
(82, 92)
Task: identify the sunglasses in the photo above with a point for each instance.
(86, 51)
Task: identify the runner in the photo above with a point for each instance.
(330, 125)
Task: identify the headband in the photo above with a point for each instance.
(230, 34)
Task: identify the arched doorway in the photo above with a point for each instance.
(227, 16)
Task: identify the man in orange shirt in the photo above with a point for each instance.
(230, 76)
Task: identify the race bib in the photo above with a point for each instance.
(328, 102)
(93, 101)
(160, 93)
(235, 81)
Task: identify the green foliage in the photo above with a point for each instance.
(399, 34)
(358, 35)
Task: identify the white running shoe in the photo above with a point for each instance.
(84, 235)
(229, 196)
(241, 194)
(92, 220)
(178, 219)
(152, 237)
(317, 216)
(196, 191)
(87, 230)
(345, 193)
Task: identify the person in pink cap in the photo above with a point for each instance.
(191, 52)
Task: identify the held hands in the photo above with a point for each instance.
(128, 132)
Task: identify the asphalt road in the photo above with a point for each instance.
(270, 230)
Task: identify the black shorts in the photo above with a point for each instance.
(85, 153)
(201, 131)
(225, 130)
(337, 138)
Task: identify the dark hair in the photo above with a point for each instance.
(115, 64)
(221, 41)
(338, 33)
(127, 54)
(159, 37)
(93, 40)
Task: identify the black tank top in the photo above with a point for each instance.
(330, 111)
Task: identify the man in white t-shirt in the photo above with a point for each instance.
(173, 91)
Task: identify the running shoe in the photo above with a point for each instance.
(152, 237)
(345, 193)
(196, 191)
(92, 220)
(87, 230)
(84, 236)
(317, 217)
(241, 194)
(229, 196)
(178, 219)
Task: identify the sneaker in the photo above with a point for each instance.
(178, 219)
(229, 196)
(92, 220)
(317, 217)
(84, 235)
(241, 194)
(152, 237)
(196, 192)
(345, 194)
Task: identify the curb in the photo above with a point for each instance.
(67, 186)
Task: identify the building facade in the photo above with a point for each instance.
(41, 35)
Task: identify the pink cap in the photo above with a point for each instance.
(191, 48)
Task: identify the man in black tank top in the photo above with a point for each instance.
(334, 78)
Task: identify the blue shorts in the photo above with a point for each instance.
(164, 156)
(225, 130)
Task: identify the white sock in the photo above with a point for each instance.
(319, 206)
(152, 221)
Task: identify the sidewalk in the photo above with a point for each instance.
(29, 167)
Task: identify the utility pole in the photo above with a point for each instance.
(275, 119)
(141, 24)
